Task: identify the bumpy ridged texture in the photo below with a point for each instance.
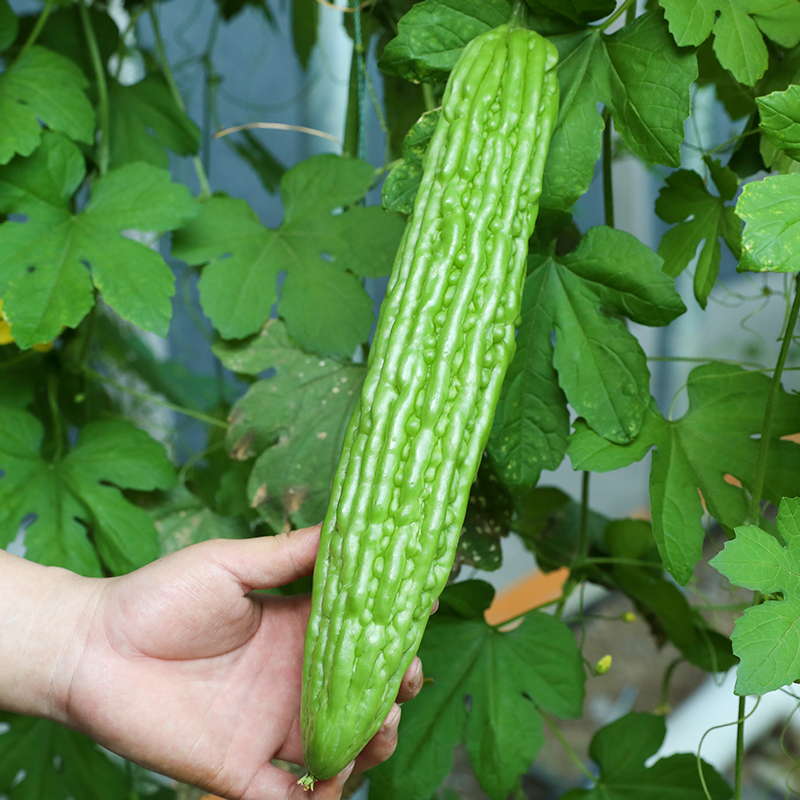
(444, 339)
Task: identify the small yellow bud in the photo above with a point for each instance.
(629, 616)
(603, 665)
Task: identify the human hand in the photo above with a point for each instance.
(184, 672)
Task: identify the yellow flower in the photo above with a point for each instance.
(7, 338)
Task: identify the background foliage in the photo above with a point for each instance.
(87, 201)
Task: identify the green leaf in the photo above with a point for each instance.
(770, 209)
(738, 27)
(42, 85)
(305, 18)
(531, 421)
(401, 184)
(619, 70)
(43, 278)
(232, 8)
(80, 493)
(693, 455)
(766, 636)
(266, 166)
(8, 25)
(702, 219)
(485, 692)
(581, 12)
(145, 122)
(294, 422)
(621, 749)
(58, 763)
(322, 300)
(431, 36)
(780, 119)
(488, 520)
(601, 368)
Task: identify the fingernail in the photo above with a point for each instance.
(435, 606)
(415, 679)
(346, 773)
(392, 722)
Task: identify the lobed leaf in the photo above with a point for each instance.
(620, 71)
(485, 690)
(767, 636)
(292, 422)
(621, 750)
(80, 492)
(702, 219)
(694, 454)
(42, 85)
(43, 278)
(322, 300)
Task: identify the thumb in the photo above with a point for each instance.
(270, 561)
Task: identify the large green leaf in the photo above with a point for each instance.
(770, 209)
(42, 85)
(80, 493)
(43, 277)
(701, 218)
(641, 77)
(431, 36)
(621, 750)
(305, 18)
(322, 253)
(595, 364)
(146, 121)
(485, 690)
(738, 27)
(767, 636)
(714, 438)
(293, 422)
(55, 763)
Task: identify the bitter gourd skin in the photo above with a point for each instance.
(444, 339)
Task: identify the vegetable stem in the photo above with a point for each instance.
(104, 152)
(37, 28)
(169, 77)
(772, 399)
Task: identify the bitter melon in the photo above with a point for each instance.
(444, 339)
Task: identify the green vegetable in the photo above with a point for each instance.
(444, 339)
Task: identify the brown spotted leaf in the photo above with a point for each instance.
(293, 423)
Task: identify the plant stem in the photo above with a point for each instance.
(617, 14)
(608, 187)
(573, 757)
(55, 416)
(583, 535)
(104, 154)
(187, 412)
(169, 77)
(37, 28)
(774, 392)
(737, 778)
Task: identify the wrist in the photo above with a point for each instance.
(47, 614)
